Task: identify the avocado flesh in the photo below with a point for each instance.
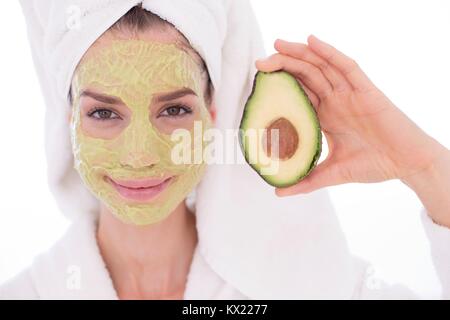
(278, 98)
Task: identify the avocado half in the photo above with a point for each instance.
(286, 155)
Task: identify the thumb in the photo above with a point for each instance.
(325, 174)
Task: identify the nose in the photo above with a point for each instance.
(140, 147)
(138, 160)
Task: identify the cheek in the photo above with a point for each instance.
(93, 155)
(190, 178)
(167, 125)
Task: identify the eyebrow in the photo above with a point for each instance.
(174, 95)
(159, 98)
(101, 97)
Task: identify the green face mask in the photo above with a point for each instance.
(135, 71)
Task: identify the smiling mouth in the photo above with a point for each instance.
(143, 190)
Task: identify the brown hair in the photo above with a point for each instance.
(138, 19)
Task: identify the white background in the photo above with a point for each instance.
(402, 45)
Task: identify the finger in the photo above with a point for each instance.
(303, 52)
(306, 72)
(311, 95)
(325, 174)
(346, 65)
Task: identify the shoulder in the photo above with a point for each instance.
(72, 269)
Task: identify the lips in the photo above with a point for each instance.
(143, 190)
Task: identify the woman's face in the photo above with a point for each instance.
(129, 97)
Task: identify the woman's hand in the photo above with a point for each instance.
(369, 138)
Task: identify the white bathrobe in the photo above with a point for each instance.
(74, 269)
(252, 244)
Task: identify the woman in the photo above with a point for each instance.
(133, 83)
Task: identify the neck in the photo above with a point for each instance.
(148, 261)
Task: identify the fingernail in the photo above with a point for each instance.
(314, 37)
(281, 41)
(281, 192)
(261, 59)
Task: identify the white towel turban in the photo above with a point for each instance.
(267, 247)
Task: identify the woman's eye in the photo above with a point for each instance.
(175, 111)
(103, 114)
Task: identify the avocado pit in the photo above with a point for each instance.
(288, 139)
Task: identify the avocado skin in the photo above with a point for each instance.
(246, 114)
